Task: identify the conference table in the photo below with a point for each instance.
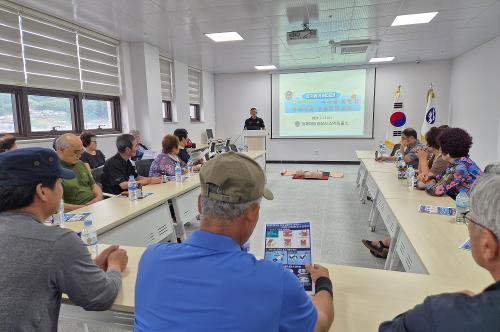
(423, 243)
(427, 245)
(363, 297)
(160, 216)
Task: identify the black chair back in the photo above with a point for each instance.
(97, 174)
(143, 166)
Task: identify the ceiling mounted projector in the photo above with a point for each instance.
(302, 36)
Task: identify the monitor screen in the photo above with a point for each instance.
(210, 134)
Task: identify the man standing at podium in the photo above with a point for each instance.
(254, 122)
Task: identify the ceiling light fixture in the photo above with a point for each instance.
(224, 36)
(265, 67)
(383, 59)
(414, 18)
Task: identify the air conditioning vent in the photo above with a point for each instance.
(353, 49)
(345, 47)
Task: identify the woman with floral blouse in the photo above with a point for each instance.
(455, 144)
(165, 162)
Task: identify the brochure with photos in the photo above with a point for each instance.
(289, 244)
(444, 211)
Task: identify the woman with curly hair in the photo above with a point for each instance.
(455, 144)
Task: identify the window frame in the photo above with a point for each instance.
(22, 121)
(15, 93)
(168, 114)
(197, 113)
(116, 116)
(49, 93)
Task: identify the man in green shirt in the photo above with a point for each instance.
(81, 190)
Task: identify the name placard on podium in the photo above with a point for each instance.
(255, 139)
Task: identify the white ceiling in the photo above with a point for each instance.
(177, 27)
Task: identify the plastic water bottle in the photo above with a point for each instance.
(410, 175)
(383, 149)
(462, 204)
(178, 173)
(132, 188)
(59, 218)
(190, 166)
(402, 170)
(89, 238)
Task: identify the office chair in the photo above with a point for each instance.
(143, 167)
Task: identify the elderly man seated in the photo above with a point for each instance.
(81, 190)
(208, 283)
(465, 311)
(409, 147)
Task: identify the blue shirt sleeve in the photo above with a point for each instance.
(297, 311)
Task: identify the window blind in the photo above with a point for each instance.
(50, 54)
(166, 78)
(44, 52)
(194, 86)
(11, 54)
(99, 66)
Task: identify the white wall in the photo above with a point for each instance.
(475, 97)
(235, 94)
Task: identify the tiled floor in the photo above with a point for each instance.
(339, 220)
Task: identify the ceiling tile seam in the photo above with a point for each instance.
(481, 13)
(386, 30)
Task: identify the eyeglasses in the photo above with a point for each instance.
(78, 152)
(469, 220)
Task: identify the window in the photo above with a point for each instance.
(47, 69)
(194, 112)
(7, 104)
(49, 114)
(167, 111)
(194, 86)
(166, 88)
(99, 113)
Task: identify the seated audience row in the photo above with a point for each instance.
(445, 168)
(180, 286)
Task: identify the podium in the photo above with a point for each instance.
(255, 139)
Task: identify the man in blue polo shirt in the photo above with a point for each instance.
(209, 284)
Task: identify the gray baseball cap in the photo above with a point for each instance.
(240, 178)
